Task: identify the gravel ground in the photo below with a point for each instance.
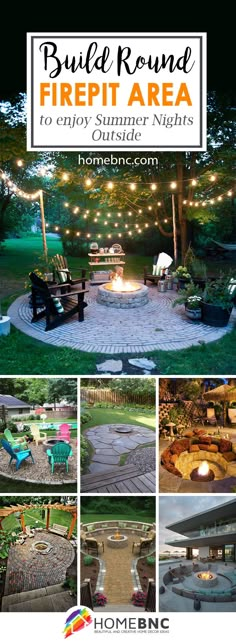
(40, 471)
(143, 458)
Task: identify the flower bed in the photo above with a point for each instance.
(146, 571)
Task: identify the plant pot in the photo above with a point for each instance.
(182, 283)
(215, 315)
(194, 315)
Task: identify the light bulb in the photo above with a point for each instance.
(66, 204)
(153, 187)
(173, 185)
(159, 203)
(77, 233)
(212, 178)
(132, 186)
(88, 182)
(19, 163)
(110, 185)
(193, 182)
(229, 193)
(65, 176)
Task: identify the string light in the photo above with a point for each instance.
(88, 182)
(110, 185)
(159, 204)
(88, 236)
(153, 187)
(66, 204)
(132, 186)
(56, 228)
(140, 211)
(65, 176)
(173, 185)
(212, 178)
(77, 233)
(219, 198)
(130, 213)
(76, 210)
(67, 231)
(119, 214)
(193, 182)
(19, 163)
(150, 208)
(165, 220)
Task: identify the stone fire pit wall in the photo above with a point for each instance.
(134, 299)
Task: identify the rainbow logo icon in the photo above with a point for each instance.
(77, 620)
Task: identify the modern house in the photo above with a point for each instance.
(213, 533)
(14, 406)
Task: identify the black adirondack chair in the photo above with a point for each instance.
(62, 272)
(50, 305)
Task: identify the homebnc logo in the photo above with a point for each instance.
(77, 620)
(132, 624)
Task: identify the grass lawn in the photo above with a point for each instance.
(20, 354)
(137, 517)
(137, 417)
(8, 486)
(10, 523)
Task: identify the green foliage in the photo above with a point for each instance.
(59, 389)
(84, 453)
(11, 425)
(218, 292)
(6, 539)
(198, 269)
(151, 561)
(181, 272)
(85, 415)
(189, 290)
(88, 560)
(189, 258)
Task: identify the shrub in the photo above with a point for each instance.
(84, 453)
(151, 561)
(88, 560)
(138, 598)
(11, 426)
(99, 599)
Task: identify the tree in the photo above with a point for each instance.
(59, 389)
(33, 391)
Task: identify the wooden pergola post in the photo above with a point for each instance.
(72, 525)
(22, 521)
(48, 519)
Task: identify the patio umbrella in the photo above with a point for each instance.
(224, 394)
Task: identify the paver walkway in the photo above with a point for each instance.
(27, 569)
(118, 583)
(109, 445)
(155, 326)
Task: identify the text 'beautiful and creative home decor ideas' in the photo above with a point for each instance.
(118, 91)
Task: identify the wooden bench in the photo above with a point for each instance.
(58, 529)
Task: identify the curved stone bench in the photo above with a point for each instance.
(100, 527)
(176, 457)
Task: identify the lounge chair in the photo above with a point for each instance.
(63, 274)
(37, 437)
(59, 454)
(18, 456)
(92, 546)
(51, 305)
(18, 442)
(64, 432)
(211, 418)
(142, 547)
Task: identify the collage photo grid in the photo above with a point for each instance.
(117, 368)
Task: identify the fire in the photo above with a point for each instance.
(119, 285)
(203, 468)
(117, 535)
(205, 575)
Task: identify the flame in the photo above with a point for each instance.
(117, 535)
(119, 285)
(203, 468)
(205, 575)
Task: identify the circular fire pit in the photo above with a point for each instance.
(202, 473)
(42, 547)
(114, 542)
(52, 441)
(136, 297)
(205, 579)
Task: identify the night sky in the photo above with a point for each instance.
(175, 508)
(221, 43)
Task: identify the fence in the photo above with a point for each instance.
(105, 395)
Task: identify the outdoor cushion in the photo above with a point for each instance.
(90, 528)
(63, 275)
(194, 448)
(189, 433)
(203, 447)
(171, 469)
(229, 456)
(122, 524)
(213, 448)
(179, 446)
(206, 440)
(225, 445)
(145, 527)
(58, 306)
(174, 459)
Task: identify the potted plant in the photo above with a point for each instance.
(217, 301)
(183, 276)
(191, 298)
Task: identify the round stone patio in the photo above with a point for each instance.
(156, 326)
(28, 570)
(108, 445)
(40, 471)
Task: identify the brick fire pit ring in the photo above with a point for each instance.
(113, 299)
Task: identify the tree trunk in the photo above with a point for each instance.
(181, 216)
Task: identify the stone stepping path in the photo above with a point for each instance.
(109, 445)
(156, 326)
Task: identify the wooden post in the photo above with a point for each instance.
(72, 525)
(174, 229)
(48, 519)
(45, 249)
(22, 521)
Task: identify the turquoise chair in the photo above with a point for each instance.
(59, 454)
(18, 456)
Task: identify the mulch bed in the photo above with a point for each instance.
(146, 572)
(89, 572)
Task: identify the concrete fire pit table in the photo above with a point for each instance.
(133, 298)
(112, 542)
